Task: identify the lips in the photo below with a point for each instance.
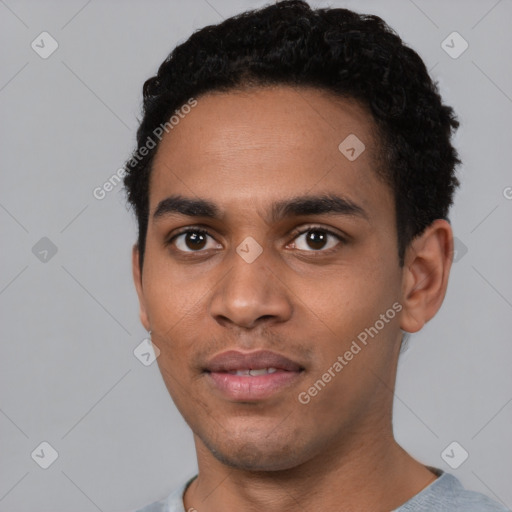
(233, 361)
(251, 377)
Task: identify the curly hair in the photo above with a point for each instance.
(352, 55)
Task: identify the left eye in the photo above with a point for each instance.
(316, 239)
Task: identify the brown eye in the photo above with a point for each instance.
(192, 240)
(317, 239)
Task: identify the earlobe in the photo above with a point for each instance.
(137, 280)
(425, 275)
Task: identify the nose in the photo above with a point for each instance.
(251, 294)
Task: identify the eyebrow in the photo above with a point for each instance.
(293, 207)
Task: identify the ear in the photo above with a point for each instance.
(137, 279)
(427, 264)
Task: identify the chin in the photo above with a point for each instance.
(257, 455)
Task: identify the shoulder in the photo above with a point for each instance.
(173, 502)
(446, 494)
(470, 501)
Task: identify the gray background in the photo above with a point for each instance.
(69, 324)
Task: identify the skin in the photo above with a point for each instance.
(244, 150)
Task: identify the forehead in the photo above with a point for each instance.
(256, 146)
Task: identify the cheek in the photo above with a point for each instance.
(355, 349)
(353, 315)
(169, 297)
(345, 298)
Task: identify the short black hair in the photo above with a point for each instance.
(352, 55)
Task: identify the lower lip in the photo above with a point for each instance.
(251, 388)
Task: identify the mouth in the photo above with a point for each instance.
(250, 377)
(253, 372)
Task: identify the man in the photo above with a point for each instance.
(292, 182)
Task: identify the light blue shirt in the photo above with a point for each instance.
(445, 494)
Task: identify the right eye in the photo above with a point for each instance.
(192, 240)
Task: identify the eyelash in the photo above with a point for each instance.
(295, 234)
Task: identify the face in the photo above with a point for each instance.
(291, 249)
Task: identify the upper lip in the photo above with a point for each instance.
(234, 360)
